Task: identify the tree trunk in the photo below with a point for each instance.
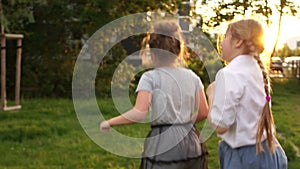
(1, 18)
(278, 32)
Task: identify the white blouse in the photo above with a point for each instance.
(239, 99)
(174, 91)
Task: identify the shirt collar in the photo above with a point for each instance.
(242, 58)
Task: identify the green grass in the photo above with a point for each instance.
(46, 133)
(286, 110)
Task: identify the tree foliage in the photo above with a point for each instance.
(222, 11)
(55, 31)
(227, 10)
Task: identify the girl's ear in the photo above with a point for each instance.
(239, 43)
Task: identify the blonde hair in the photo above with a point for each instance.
(167, 36)
(251, 31)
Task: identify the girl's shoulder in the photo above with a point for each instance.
(231, 70)
(152, 74)
(187, 70)
(229, 76)
(171, 71)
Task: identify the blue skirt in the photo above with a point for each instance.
(246, 158)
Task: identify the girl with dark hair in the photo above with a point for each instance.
(175, 99)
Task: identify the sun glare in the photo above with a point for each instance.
(289, 33)
(290, 27)
(270, 37)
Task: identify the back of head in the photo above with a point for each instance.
(166, 41)
(252, 32)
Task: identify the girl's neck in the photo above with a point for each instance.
(165, 64)
(239, 51)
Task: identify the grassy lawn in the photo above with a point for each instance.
(286, 110)
(46, 133)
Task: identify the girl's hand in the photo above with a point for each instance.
(104, 127)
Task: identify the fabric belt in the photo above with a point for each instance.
(169, 125)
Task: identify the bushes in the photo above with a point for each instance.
(47, 78)
(47, 71)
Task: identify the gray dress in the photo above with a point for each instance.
(173, 141)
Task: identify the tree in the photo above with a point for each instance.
(222, 11)
(226, 11)
(285, 7)
(285, 51)
(54, 31)
(15, 14)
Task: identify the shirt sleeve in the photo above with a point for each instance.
(198, 82)
(145, 83)
(228, 90)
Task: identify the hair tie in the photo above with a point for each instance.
(268, 98)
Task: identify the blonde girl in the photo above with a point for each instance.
(171, 94)
(240, 103)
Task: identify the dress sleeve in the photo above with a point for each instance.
(145, 83)
(228, 91)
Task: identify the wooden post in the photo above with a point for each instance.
(18, 72)
(19, 38)
(3, 71)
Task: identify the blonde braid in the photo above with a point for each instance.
(266, 122)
